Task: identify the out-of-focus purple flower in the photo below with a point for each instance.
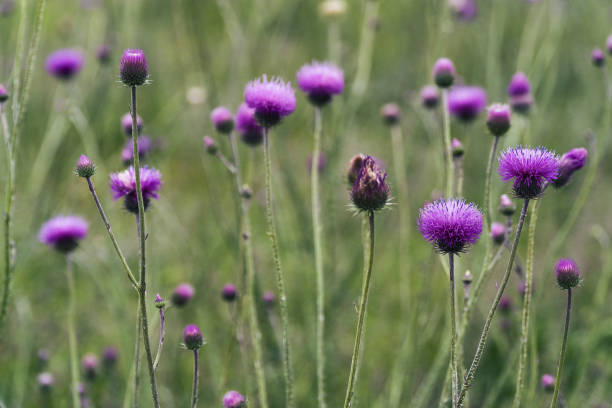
(65, 63)
(429, 96)
(233, 399)
(159, 301)
(322, 162)
(498, 119)
(457, 149)
(192, 336)
(530, 168)
(133, 67)
(90, 364)
(465, 10)
(609, 44)
(246, 125)
(144, 148)
(4, 95)
(450, 225)
(182, 294)
(271, 98)
(85, 167)
(269, 298)
(123, 184)
(498, 232)
(43, 356)
(519, 91)
(598, 57)
(109, 356)
(63, 232)
(370, 191)
(506, 205)
(45, 381)
(548, 382)
(103, 53)
(353, 168)
(568, 164)
(466, 102)
(390, 113)
(229, 293)
(210, 145)
(7, 7)
(444, 72)
(222, 119)
(320, 81)
(505, 304)
(567, 273)
(126, 124)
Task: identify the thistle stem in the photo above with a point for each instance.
(196, 378)
(361, 318)
(469, 377)
(487, 188)
(72, 341)
(162, 334)
(136, 385)
(453, 348)
(555, 397)
(448, 156)
(280, 277)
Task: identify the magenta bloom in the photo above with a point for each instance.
(246, 125)
(229, 292)
(63, 232)
(65, 63)
(457, 149)
(568, 164)
(133, 68)
(567, 273)
(530, 169)
(110, 355)
(269, 298)
(223, 119)
(519, 91)
(321, 81)
(444, 72)
(390, 113)
(429, 96)
(85, 167)
(123, 184)
(370, 191)
(465, 10)
(144, 148)
(4, 95)
(192, 336)
(498, 119)
(126, 123)
(233, 399)
(45, 381)
(598, 57)
(90, 364)
(498, 232)
(466, 102)
(548, 382)
(182, 294)
(272, 99)
(506, 205)
(450, 225)
(609, 44)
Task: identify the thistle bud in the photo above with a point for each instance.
(4, 95)
(210, 145)
(133, 69)
(569, 163)
(498, 232)
(390, 114)
(160, 303)
(444, 72)
(222, 119)
(498, 119)
(90, 364)
(370, 191)
(126, 124)
(103, 53)
(229, 293)
(548, 382)
(457, 149)
(598, 58)
(467, 278)
(567, 274)
(109, 356)
(506, 205)
(429, 96)
(45, 381)
(233, 399)
(85, 167)
(182, 294)
(246, 192)
(269, 298)
(193, 337)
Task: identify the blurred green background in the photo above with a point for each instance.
(216, 47)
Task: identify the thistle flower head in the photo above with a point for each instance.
(90, 364)
(506, 205)
(229, 292)
(246, 125)
(530, 168)
(159, 301)
(64, 64)
(353, 168)
(45, 381)
(598, 57)
(133, 68)
(271, 98)
(4, 95)
(192, 336)
(233, 399)
(567, 273)
(269, 298)
(370, 191)
(390, 113)
(568, 164)
(498, 119)
(465, 10)
(145, 146)
(182, 294)
(210, 145)
(85, 167)
(429, 96)
(466, 102)
(498, 232)
(126, 124)
(320, 81)
(519, 85)
(110, 355)
(123, 184)
(223, 119)
(548, 382)
(63, 232)
(457, 149)
(444, 72)
(450, 225)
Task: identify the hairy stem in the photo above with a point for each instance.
(196, 378)
(448, 156)
(162, 334)
(453, 336)
(72, 340)
(555, 397)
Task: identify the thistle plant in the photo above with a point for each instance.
(193, 340)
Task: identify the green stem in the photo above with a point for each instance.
(555, 397)
(520, 378)
(280, 277)
(136, 385)
(72, 341)
(487, 188)
(196, 378)
(469, 377)
(447, 144)
(459, 171)
(453, 336)
(362, 311)
(317, 228)
(162, 334)
(366, 46)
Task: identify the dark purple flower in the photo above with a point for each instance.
(182, 294)
(126, 124)
(465, 10)
(229, 292)
(144, 148)
(568, 164)
(85, 167)
(90, 364)
(498, 232)
(223, 119)
(390, 113)
(192, 336)
(272, 99)
(210, 145)
(65, 63)
(498, 119)
(233, 399)
(506, 205)
(103, 53)
(567, 273)
(530, 169)
(133, 69)
(548, 382)
(63, 232)
(457, 149)
(450, 225)
(353, 168)
(269, 298)
(45, 381)
(429, 96)
(4, 95)
(370, 191)
(322, 162)
(444, 72)
(123, 184)
(109, 356)
(519, 85)
(320, 81)
(505, 304)
(246, 125)
(466, 102)
(598, 57)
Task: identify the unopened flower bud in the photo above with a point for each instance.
(133, 68)
(370, 191)
(567, 274)
(193, 337)
(498, 232)
(444, 72)
(210, 145)
(160, 303)
(457, 149)
(85, 167)
(498, 119)
(506, 205)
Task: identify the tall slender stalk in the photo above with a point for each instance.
(469, 377)
(555, 397)
(280, 277)
(196, 378)
(448, 155)
(136, 383)
(361, 318)
(72, 341)
(162, 334)
(317, 229)
(453, 348)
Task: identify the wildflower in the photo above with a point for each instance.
(320, 81)
(45, 381)
(246, 125)
(182, 294)
(90, 365)
(4, 95)
(444, 72)
(567, 273)
(519, 91)
(548, 382)
(390, 113)
(223, 119)
(457, 149)
(370, 191)
(498, 232)
(123, 184)
(569, 163)
(498, 119)
(598, 57)
(233, 399)
(103, 53)
(126, 123)
(530, 169)
(133, 69)
(144, 148)
(466, 102)
(272, 99)
(65, 63)
(229, 293)
(429, 96)
(63, 232)
(506, 205)
(210, 145)
(192, 337)
(85, 167)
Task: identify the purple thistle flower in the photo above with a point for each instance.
(568, 164)
(320, 165)
(272, 99)
(43, 356)
(390, 113)
(90, 364)
(223, 119)
(246, 125)
(498, 119)
(65, 63)
(370, 191)
(126, 124)
(598, 57)
(133, 68)
(609, 44)
(269, 298)
(567, 273)
(530, 169)
(229, 292)
(109, 356)
(548, 382)
(429, 96)
(233, 399)
(144, 148)
(123, 184)
(210, 145)
(505, 304)
(85, 167)
(457, 149)
(466, 102)
(498, 232)
(182, 294)
(45, 381)
(63, 232)
(321, 81)
(465, 10)
(444, 72)
(4, 95)
(450, 225)
(506, 205)
(192, 336)
(519, 91)
(103, 53)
